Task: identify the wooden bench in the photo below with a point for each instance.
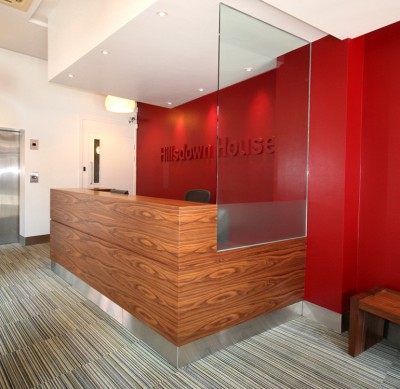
(368, 312)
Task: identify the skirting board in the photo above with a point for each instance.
(332, 320)
(30, 240)
(183, 355)
(340, 322)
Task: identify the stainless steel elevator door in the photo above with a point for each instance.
(9, 186)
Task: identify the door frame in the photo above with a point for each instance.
(21, 141)
(120, 120)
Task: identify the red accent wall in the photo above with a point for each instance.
(379, 258)
(327, 151)
(354, 184)
(334, 160)
(246, 110)
(354, 163)
(291, 122)
(193, 124)
(249, 110)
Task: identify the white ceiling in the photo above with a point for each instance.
(155, 60)
(159, 60)
(247, 42)
(26, 32)
(342, 18)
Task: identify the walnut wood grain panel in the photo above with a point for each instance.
(127, 224)
(197, 233)
(145, 288)
(148, 228)
(157, 259)
(208, 321)
(242, 284)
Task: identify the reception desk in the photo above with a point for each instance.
(156, 259)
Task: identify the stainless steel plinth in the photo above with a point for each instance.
(179, 356)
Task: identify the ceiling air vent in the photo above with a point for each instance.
(21, 5)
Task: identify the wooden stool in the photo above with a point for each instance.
(368, 312)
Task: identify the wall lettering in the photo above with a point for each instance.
(226, 148)
(251, 146)
(173, 153)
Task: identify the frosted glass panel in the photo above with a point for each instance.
(262, 132)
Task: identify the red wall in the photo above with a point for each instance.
(193, 124)
(246, 111)
(379, 260)
(259, 107)
(249, 110)
(291, 122)
(354, 182)
(354, 162)
(333, 181)
(327, 149)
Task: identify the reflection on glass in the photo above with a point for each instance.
(9, 186)
(96, 161)
(262, 132)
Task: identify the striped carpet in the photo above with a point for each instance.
(51, 337)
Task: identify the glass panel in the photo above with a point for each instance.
(96, 161)
(262, 132)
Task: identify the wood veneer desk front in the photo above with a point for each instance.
(157, 259)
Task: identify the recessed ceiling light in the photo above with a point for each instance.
(169, 103)
(201, 90)
(70, 75)
(162, 14)
(105, 52)
(249, 69)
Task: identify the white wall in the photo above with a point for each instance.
(52, 114)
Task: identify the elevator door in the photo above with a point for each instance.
(9, 186)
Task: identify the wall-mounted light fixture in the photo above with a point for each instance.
(120, 105)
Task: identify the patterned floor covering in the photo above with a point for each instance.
(51, 337)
